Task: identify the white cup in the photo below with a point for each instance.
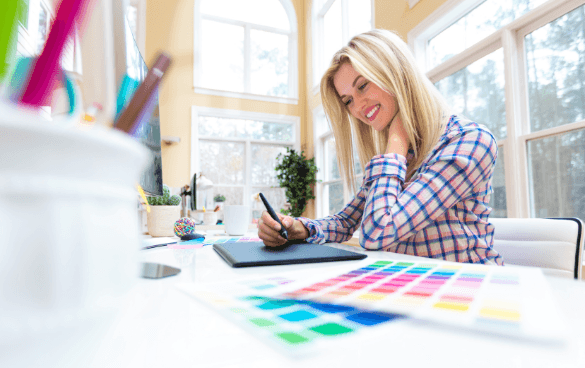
(236, 219)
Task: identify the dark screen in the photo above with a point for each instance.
(148, 133)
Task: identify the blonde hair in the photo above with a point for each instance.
(383, 58)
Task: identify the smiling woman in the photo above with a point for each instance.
(427, 177)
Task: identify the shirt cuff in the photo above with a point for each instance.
(316, 235)
(391, 164)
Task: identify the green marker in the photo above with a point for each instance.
(8, 21)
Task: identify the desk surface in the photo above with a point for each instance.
(160, 326)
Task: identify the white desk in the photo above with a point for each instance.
(163, 327)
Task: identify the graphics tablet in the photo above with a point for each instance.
(249, 254)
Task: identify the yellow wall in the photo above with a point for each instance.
(169, 27)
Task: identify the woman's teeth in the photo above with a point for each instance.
(372, 111)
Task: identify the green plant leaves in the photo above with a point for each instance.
(297, 175)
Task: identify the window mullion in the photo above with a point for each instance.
(248, 173)
(292, 87)
(247, 59)
(344, 21)
(516, 187)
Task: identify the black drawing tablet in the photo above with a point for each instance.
(249, 254)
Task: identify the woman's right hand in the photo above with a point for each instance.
(268, 229)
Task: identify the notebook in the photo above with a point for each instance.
(251, 254)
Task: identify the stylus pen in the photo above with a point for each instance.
(282, 230)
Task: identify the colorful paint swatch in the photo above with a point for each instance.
(314, 309)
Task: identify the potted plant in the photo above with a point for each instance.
(218, 201)
(164, 211)
(297, 175)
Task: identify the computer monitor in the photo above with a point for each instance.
(109, 52)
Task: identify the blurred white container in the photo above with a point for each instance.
(237, 219)
(69, 234)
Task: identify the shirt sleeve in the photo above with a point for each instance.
(340, 226)
(462, 165)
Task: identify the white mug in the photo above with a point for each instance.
(236, 219)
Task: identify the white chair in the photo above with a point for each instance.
(555, 245)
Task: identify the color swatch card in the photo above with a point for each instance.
(305, 308)
(510, 301)
(294, 327)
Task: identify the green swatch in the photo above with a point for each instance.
(331, 329)
(262, 322)
(292, 338)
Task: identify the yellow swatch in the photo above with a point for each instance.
(506, 314)
(372, 296)
(452, 306)
(450, 267)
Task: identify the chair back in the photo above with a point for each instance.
(555, 245)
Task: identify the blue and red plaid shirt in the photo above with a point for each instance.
(442, 212)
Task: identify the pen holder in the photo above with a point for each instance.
(209, 218)
(69, 229)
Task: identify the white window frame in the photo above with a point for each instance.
(317, 16)
(293, 90)
(197, 112)
(511, 39)
(322, 162)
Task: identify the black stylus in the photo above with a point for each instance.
(282, 231)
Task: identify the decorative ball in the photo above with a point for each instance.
(184, 226)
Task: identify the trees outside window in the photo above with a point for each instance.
(519, 68)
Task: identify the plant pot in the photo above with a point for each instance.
(160, 221)
(220, 204)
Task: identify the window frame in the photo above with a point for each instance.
(321, 160)
(317, 31)
(511, 39)
(293, 80)
(197, 111)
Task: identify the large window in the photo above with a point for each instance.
(237, 151)
(335, 22)
(332, 193)
(517, 66)
(244, 52)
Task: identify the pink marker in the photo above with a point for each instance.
(46, 69)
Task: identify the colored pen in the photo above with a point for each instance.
(8, 34)
(131, 117)
(46, 67)
(282, 230)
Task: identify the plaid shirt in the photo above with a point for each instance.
(441, 213)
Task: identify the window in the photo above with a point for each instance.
(246, 53)
(331, 192)
(335, 22)
(519, 68)
(35, 18)
(237, 151)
